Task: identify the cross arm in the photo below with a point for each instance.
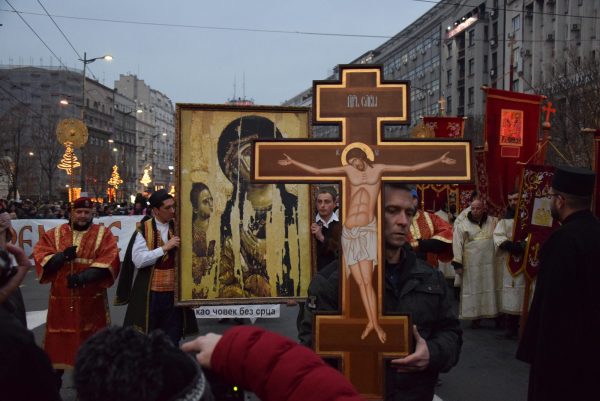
(419, 166)
(286, 161)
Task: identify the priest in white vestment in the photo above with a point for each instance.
(473, 249)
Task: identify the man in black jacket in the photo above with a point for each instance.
(561, 336)
(411, 287)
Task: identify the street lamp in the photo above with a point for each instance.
(86, 61)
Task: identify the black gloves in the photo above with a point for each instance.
(514, 248)
(59, 259)
(432, 245)
(87, 276)
(457, 265)
(70, 253)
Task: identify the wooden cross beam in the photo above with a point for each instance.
(361, 103)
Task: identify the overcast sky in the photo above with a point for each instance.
(199, 64)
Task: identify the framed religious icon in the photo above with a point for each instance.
(241, 242)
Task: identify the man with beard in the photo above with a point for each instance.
(511, 287)
(560, 339)
(473, 249)
(81, 260)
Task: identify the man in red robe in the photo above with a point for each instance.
(430, 236)
(81, 260)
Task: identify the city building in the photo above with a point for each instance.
(155, 128)
(455, 48)
(32, 102)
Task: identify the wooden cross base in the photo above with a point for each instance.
(339, 336)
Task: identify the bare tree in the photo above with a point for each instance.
(98, 169)
(49, 150)
(574, 91)
(13, 141)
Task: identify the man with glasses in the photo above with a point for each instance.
(561, 337)
(152, 253)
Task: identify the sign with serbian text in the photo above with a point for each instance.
(27, 232)
(269, 311)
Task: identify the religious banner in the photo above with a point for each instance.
(465, 196)
(511, 131)
(241, 242)
(434, 197)
(446, 127)
(360, 103)
(533, 219)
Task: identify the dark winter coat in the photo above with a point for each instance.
(411, 287)
(561, 340)
(138, 296)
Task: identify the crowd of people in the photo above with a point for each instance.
(44, 209)
(144, 359)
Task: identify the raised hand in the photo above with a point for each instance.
(446, 160)
(285, 162)
(172, 243)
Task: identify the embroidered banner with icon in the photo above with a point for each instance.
(446, 127)
(511, 132)
(533, 220)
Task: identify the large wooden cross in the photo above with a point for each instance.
(360, 103)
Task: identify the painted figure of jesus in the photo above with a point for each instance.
(359, 232)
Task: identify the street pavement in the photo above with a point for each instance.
(487, 369)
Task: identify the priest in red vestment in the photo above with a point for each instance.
(80, 262)
(430, 236)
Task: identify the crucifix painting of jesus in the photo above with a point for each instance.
(360, 160)
(359, 232)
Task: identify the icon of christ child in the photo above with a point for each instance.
(359, 232)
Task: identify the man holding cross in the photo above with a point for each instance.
(359, 234)
(410, 286)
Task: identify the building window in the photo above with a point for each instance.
(471, 66)
(471, 96)
(449, 77)
(449, 105)
(515, 85)
(472, 37)
(485, 63)
(516, 23)
(516, 56)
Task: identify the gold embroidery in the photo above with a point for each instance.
(99, 237)
(429, 222)
(414, 227)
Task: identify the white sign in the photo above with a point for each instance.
(238, 311)
(27, 232)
